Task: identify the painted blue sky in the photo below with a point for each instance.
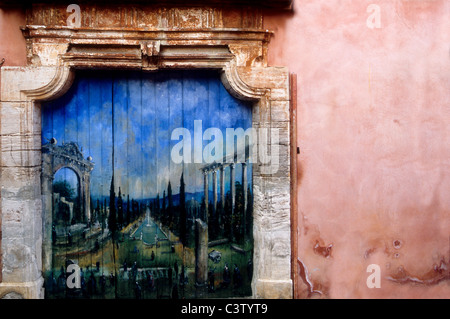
(134, 114)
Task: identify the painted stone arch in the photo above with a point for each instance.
(54, 158)
(68, 155)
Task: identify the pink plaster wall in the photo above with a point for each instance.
(12, 43)
(374, 133)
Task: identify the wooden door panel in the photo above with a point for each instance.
(134, 234)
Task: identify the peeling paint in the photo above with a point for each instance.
(324, 251)
(438, 273)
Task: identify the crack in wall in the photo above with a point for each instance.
(303, 273)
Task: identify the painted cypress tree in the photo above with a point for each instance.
(97, 210)
(157, 208)
(112, 223)
(163, 209)
(104, 212)
(183, 217)
(170, 204)
(120, 209)
(249, 214)
(128, 209)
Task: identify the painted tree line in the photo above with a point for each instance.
(174, 213)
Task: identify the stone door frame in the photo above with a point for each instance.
(54, 55)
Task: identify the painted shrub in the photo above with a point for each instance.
(160, 210)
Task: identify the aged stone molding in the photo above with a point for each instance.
(23, 290)
(55, 157)
(237, 87)
(56, 52)
(59, 85)
(65, 72)
(142, 54)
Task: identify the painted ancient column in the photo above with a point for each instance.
(222, 192)
(233, 191)
(214, 191)
(201, 253)
(244, 189)
(206, 187)
(87, 197)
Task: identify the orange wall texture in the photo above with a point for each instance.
(374, 133)
(12, 43)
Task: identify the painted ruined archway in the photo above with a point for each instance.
(54, 158)
(67, 155)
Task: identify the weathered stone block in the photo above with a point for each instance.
(20, 181)
(18, 142)
(25, 158)
(273, 289)
(20, 118)
(280, 110)
(14, 112)
(19, 262)
(273, 111)
(16, 79)
(274, 78)
(27, 290)
(48, 53)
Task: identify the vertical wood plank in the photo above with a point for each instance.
(149, 129)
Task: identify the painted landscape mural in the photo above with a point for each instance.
(141, 199)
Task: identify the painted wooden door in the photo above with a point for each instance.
(148, 195)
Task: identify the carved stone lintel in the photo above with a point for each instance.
(59, 85)
(149, 16)
(150, 52)
(150, 48)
